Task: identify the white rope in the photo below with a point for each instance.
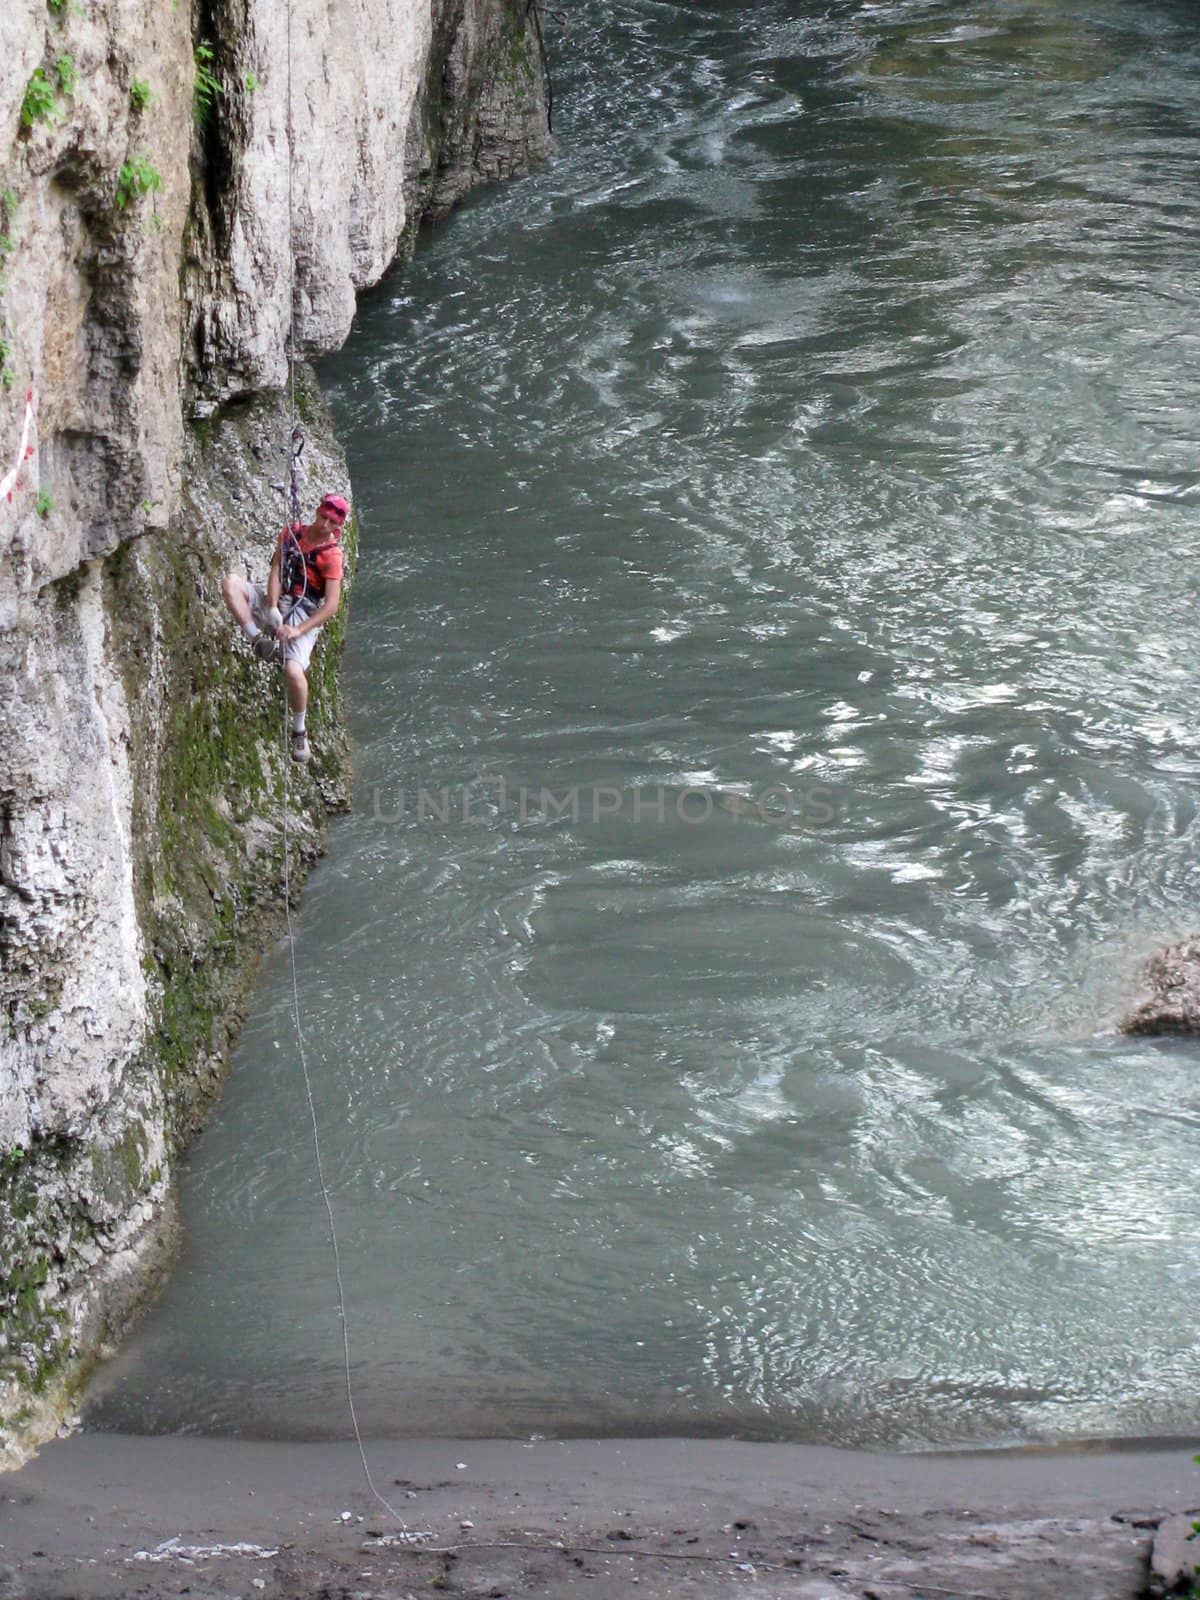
(12, 480)
(312, 1112)
(405, 1535)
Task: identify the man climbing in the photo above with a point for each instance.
(304, 589)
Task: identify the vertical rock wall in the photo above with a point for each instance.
(152, 237)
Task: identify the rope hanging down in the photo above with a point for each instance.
(312, 1112)
(295, 450)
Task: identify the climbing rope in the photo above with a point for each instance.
(295, 450)
(316, 1135)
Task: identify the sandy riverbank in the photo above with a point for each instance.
(100, 1515)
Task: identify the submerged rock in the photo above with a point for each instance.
(1169, 1001)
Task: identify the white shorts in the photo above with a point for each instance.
(294, 611)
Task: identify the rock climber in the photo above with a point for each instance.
(304, 589)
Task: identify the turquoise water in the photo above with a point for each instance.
(821, 421)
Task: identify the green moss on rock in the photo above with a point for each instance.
(208, 764)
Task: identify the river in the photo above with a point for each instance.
(779, 571)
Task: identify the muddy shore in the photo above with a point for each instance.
(109, 1516)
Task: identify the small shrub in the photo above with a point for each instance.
(206, 86)
(141, 95)
(45, 503)
(7, 245)
(251, 82)
(137, 178)
(6, 372)
(39, 101)
(68, 77)
(9, 206)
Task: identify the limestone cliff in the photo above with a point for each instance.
(153, 236)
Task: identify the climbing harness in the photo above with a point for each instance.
(301, 579)
(295, 450)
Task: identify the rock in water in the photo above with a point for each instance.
(1170, 997)
(1175, 1556)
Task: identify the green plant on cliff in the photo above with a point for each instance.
(39, 101)
(141, 95)
(66, 73)
(515, 63)
(9, 206)
(45, 503)
(8, 213)
(11, 1160)
(206, 86)
(138, 177)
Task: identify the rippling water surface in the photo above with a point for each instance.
(824, 418)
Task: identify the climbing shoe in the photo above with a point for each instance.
(299, 746)
(267, 647)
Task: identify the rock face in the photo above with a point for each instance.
(1175, 1557)
(153, 236)
(1170, 997)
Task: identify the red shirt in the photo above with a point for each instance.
(305, 569)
